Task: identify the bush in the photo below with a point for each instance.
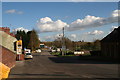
(56, 53)
(95, 53)
(70, 53)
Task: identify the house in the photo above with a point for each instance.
(7, 52)
(7, 39)
(110, 45)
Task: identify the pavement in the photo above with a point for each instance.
(46, 66)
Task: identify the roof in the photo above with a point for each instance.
(114, 36)
(6, 30)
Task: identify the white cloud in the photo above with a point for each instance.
(47, 25)
(13, 11)
(58, 35)
(52, 37)
(20, 29)
(45, 20)
(93, 21)
(73, 36)
(39, 38)
(116, 13)
(113, 27)
(10, 11)
(88, 21)
(95, 32)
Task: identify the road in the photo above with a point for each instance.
(44, 65)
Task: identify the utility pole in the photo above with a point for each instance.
(63, 43)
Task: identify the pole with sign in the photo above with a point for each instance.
(19, 46)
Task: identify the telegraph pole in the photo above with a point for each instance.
(63, 43)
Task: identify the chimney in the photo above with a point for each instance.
(5, 29)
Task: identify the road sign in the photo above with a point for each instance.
(19, 46)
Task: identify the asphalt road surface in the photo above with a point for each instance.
(44, 65)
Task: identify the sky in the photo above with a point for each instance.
(60, 0)
(86, 21)
(0, 13)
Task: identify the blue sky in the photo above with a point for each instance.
(0, 13)
(60, 0)
(30, 14)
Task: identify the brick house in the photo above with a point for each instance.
(110, 45)
(7, 54)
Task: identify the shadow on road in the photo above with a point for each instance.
(78, 60)
(41, 74)
(62, 79)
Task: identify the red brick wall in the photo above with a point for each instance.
(8, 57)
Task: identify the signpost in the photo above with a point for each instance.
(19, 50)
(19, 46)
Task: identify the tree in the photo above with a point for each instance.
(97, 45)
(58, 43)
(68, 43)
(34, 41)
(24, 37)
(29, 39)
(49, 44)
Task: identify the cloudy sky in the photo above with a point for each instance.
(82, 20)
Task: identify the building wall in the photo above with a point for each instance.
(7, 53)
(110, 49)
(7, 40)
(8, 57)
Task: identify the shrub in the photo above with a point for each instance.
(95, 53)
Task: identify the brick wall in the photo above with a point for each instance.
(8, 57)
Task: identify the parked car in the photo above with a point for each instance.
(38, 50)
(28, 56)
(53, 50)
(58, 49)
(27, 51)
